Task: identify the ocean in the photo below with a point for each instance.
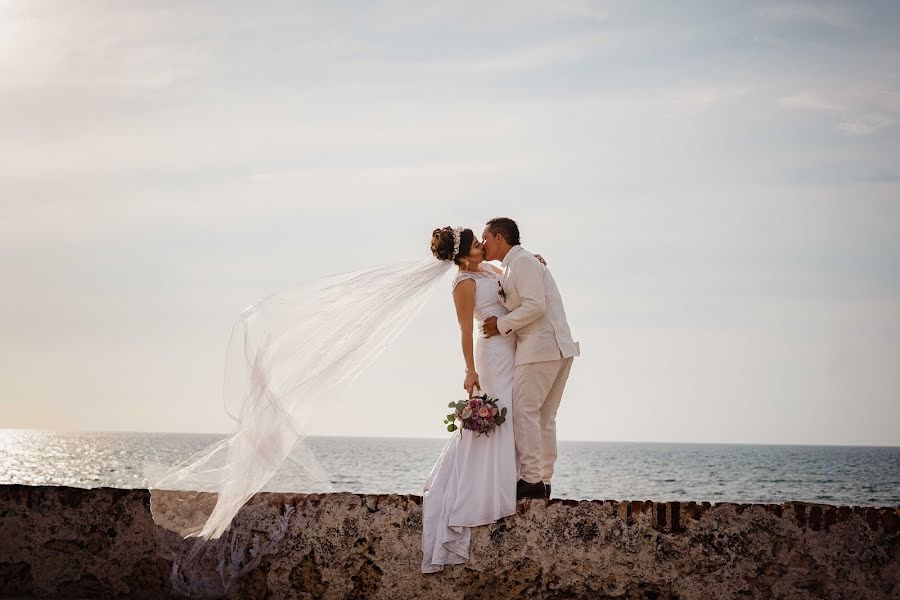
(851, 475)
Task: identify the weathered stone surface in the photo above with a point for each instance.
(65, 542)
(71, 542)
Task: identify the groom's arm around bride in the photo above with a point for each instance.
(528, 286)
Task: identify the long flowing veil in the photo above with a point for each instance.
(286, 355)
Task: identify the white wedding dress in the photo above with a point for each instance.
(473, 481)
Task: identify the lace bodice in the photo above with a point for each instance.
(487, 303)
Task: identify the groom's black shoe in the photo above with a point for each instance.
(530, 490)
(547, 489)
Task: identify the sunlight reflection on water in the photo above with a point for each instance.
(855, 475)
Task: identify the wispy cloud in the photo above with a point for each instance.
(700, 96)
(865, 124)
(539, 56)
(839, 16)
(501, 14)
(810, 101)
(398, 173)
(856, 112)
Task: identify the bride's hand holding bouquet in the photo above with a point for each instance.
(471, 382)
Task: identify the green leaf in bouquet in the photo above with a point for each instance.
(451, 427)
(451, 405)
(503, 412)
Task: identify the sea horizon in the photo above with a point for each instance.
(423, 437)
(585, 469)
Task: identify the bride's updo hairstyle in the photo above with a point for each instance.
(442, 243)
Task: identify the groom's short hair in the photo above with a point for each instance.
(507, 228)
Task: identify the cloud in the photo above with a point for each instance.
(425, 172)
(861, 113)
(865, 124)
(809, 101)
(707, 95)
(535, 57)
(832, 15)
(506, 14)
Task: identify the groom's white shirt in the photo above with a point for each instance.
(536, 314)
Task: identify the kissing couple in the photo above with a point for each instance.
(288, 353)
(518, 349)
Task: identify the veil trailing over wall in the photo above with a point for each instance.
(286, 355)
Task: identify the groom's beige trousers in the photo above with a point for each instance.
(537, 389)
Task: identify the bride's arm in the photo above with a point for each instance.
(464, 299)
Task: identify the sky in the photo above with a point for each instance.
(715, 186)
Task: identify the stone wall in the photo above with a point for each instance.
(69, 542)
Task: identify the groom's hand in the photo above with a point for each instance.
(489, 327)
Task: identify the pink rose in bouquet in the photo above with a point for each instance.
(479, 414)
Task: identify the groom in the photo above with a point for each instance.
(544, 352)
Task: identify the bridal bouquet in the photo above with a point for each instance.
(479, 414)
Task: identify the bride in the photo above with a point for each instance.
(473, 481)
(287, 354)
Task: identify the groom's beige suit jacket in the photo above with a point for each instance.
(537, 317)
